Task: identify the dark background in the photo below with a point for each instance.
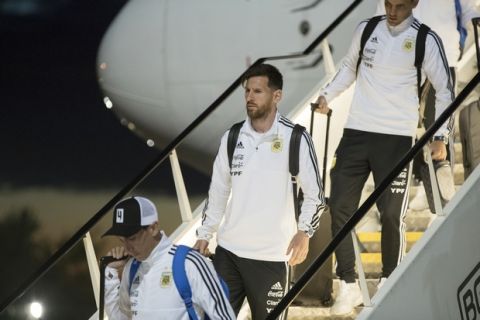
(55, 129)
(56, 133)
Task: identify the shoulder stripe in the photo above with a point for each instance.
(210, 280)
(439, 43)
(313, 158)
(212, 283)
(286, 122)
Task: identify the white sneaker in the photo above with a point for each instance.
(446, 183)
(348, 297)
(419, 202)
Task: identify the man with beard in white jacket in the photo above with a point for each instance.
(143, 287)
(256, 229)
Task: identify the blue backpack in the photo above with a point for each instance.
(181, 280)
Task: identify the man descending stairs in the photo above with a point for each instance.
(369, 236)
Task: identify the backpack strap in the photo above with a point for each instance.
(181, 280)
(294, 151)
(232, 140)
(133, 271)
(293, 162)
(182, 284)
(367, 32)
(420, 55)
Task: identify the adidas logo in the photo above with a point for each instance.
(374, 40)
(240, 145)
(277, 286)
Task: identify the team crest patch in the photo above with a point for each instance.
(408, 45)
(277, 145)
(166, 279)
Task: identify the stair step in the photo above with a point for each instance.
(321, 312)
(376, 236)
(371, 241)
(372, 265)
(317, 313)
(417, 220)
(414, 220)
(458, 174)
(458, 151)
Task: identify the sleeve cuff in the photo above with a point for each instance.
(442, 138)
(203, 235)
(111, 274)
(307, 229)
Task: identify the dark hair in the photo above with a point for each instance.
(275, 79)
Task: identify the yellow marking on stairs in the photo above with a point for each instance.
(376, 257)
(371, 258)
(376, 236)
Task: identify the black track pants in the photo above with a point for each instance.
(358, 154)
(263, 283)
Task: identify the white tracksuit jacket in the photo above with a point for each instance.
(440, 15)
(259, 220)
(154, 296)
(386, 96)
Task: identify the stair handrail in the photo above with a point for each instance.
(370, 201)
(77, 236)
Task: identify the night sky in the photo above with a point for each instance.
(55, 130)
(56, 134)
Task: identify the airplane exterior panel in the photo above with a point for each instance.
(161, 62)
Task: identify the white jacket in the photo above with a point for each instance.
(153, 294)
(440, 15)
(259, 220)
(386, 96)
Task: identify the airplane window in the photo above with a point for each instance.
(304, 27)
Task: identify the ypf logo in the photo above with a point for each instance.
(468, 295)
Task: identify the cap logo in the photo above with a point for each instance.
(119, 215)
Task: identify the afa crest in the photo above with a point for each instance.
(408, 45)
(277, 145)
(166, 279)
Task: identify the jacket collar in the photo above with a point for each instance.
(161, 249)
(404, 25)
(274, 129)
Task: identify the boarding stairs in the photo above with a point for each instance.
(367, 231)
